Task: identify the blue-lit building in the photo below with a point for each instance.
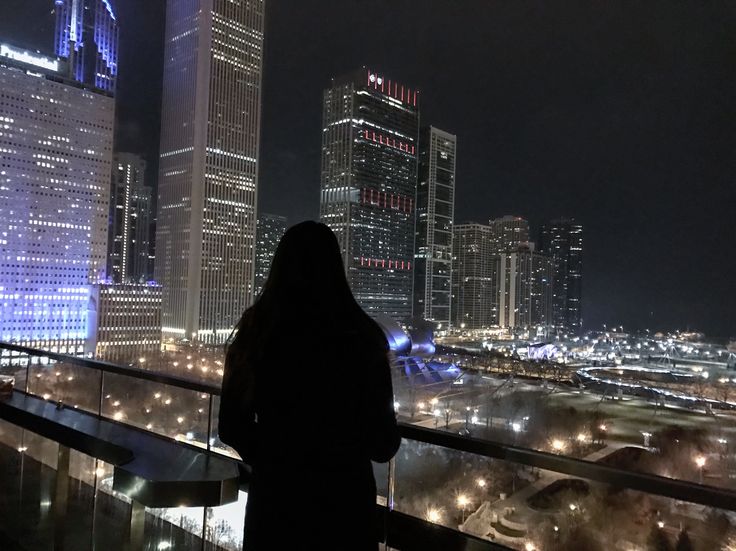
(56, 138)
(87, 35)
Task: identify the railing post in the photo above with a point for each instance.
(137, 526)
(389, 500)
(61, 497)
(209, 424)
(102, 389)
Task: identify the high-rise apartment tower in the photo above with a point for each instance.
(210, 128)
(370, 128)
(525, 283)
(474, 277)
(563, 240)
(435, 214)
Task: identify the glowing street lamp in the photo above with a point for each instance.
(463, 501)
(558, 445)
(700, 462)
(481, 482)
(433, 515)
(529, 546)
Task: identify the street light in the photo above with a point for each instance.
(558, 445)
(700, 462)
(481, 482)
(463, 502)
(433, 515)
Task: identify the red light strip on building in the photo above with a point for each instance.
(386, 200)
(383, 263)
(397, 92)
(390, 141)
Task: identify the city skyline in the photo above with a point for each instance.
(646, 156)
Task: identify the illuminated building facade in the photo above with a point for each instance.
(56, 141)
(563, 240)
(128, 321)
(434, 219)
(130, 220)
(509, 233)
(370, 128)
(210, 128)
(87, 35)
(525, 290)
(271, 228)
(474, 277)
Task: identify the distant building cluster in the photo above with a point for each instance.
(388, 193)
(79, 222)
(500, 278)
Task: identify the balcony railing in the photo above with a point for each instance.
(547, 496)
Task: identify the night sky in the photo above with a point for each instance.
(619, 114)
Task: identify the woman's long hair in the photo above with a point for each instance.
(306, 293)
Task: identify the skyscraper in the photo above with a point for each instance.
(474, 277)
(525, 290)
(370, 127)
(210, 131)
(87, 35)
(435, 214)
(271, 228)
(563, 240)
(130, 219)
(55, 157)
(509, 233)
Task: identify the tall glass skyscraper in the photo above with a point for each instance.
(210, 131)
(130, 220)
(56, 151)
(563, 240)
(370, 127)
(435, 214)
(87, 35)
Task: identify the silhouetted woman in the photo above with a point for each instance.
(307, 402)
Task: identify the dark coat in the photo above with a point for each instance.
(308, 421)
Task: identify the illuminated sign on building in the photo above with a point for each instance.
(28, 57)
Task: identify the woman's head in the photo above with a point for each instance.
(307, 268)
(306, 291)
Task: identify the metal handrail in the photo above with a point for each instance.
(107, 367)
(648, 483)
